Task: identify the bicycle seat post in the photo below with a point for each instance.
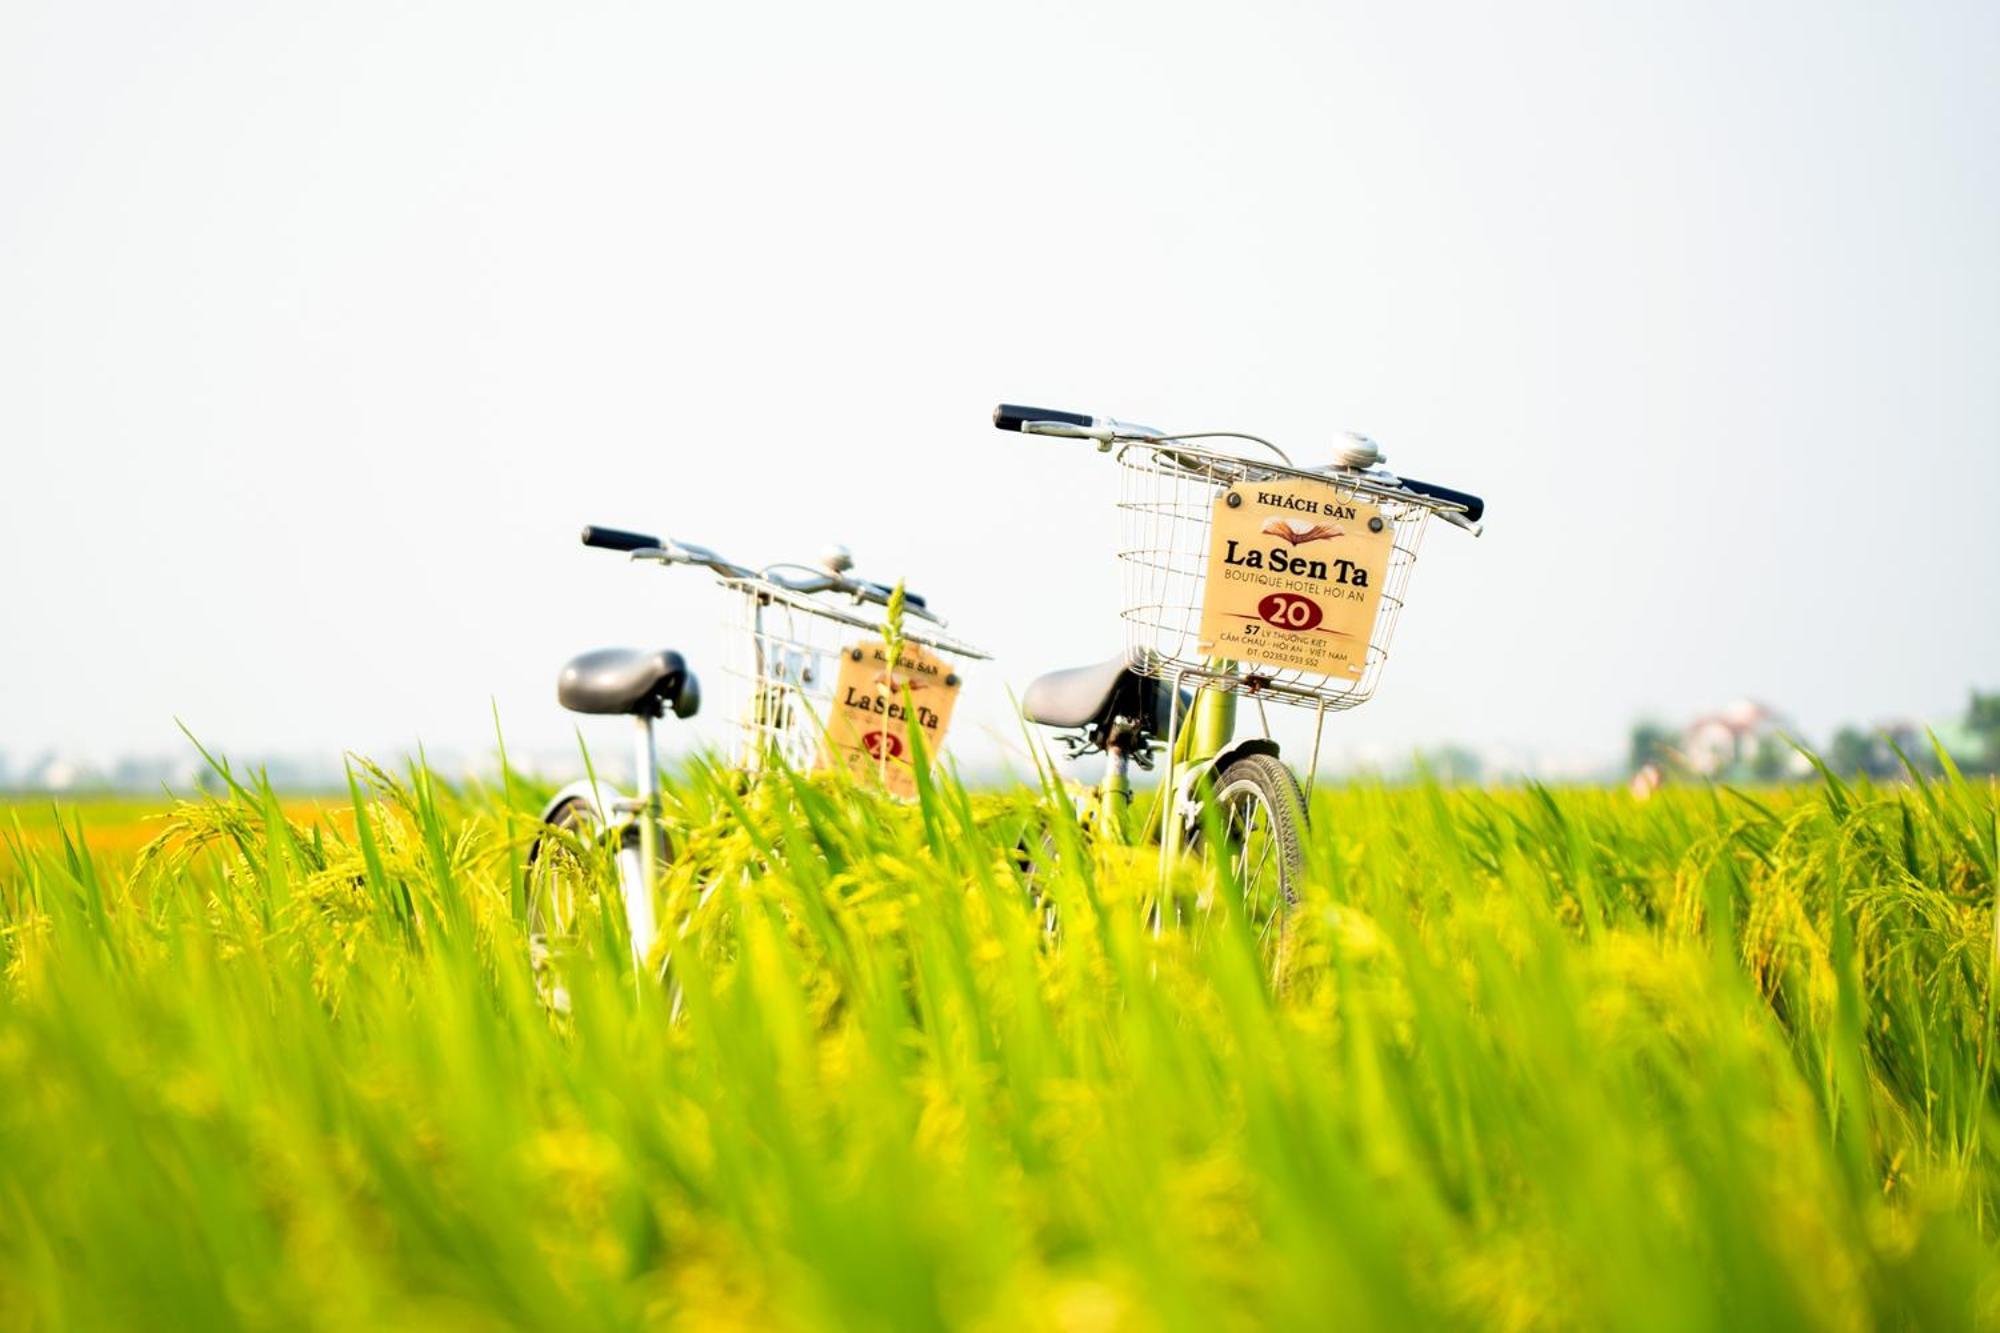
(639, 917)
(1117, 785)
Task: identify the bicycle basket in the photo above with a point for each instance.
(787, 650)
(1313, 593)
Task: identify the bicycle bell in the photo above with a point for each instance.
(1357, 453)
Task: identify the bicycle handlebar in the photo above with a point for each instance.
(832, 581)
(1107, 432)
(670, 552)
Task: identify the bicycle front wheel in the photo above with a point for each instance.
(1263, 824)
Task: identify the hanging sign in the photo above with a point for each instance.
(1295, 574)
(868, 726)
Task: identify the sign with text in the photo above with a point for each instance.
(868, 727)
(1295, 574)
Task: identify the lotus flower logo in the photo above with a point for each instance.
(1298, 532)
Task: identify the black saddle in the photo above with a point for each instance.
(625, 680)
(1108, 698)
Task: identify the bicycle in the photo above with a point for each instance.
(813, 694)
(1229, 593)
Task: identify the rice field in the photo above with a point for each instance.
(1524, 1059)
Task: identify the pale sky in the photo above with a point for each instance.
(324, 327)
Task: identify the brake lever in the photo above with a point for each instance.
(1458, 520)
(1068, 431)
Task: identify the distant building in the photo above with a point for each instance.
(1732, 739)
(1646, 781)
(1912, 738)
(1965, 745)
(51, 772)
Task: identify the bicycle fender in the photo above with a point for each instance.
(602, 800)
(1190, 809)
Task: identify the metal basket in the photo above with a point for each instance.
(784, 658)
(1166, 502)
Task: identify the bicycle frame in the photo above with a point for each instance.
(1196, 739)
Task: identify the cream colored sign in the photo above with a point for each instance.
(869, 725)
(1295, 573)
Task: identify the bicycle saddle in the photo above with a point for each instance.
(625, 680)
(1092, 696)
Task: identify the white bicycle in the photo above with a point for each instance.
(798, 633)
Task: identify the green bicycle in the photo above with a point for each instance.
(1244, 578)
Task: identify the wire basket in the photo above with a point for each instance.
(1166, 503)
(784, 657)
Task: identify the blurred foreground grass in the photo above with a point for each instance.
(1525, 1060)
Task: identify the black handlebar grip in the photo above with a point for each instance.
(617, 539)
(1009, 417)
(1475, 508)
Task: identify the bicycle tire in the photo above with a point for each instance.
(1248, 784)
